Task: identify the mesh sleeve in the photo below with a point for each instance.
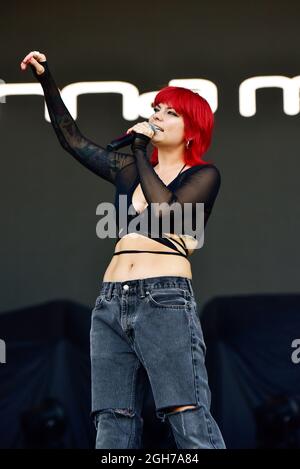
(201, 186)
(97, 159)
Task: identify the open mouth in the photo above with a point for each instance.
(159, 129)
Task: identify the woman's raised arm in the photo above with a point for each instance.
(102, 162)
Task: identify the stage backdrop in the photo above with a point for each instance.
(49, 247)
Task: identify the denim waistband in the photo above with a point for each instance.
(140, 286)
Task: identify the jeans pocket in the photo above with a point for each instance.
(168, 297)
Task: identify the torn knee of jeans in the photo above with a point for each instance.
(126, 412)
(172, 411)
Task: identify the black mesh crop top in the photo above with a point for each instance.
(197, 184)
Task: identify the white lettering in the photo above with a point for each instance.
(3, 98)
(289, 86)
(135, 104)
(296, 353)
(2, 351)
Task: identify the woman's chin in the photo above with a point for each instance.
(156, 141)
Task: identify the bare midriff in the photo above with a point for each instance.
(131, 266)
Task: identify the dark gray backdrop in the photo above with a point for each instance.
(49, 248)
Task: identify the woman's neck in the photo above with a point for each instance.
(170, 159)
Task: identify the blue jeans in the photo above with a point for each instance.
(149, 326)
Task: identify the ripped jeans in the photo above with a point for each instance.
(149, 327)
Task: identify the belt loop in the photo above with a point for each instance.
(109, 292)
(190, 286)
(141, 288)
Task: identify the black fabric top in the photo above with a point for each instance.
(197, 184)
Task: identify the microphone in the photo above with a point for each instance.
(126, 139)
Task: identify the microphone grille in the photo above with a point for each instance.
(153, 127)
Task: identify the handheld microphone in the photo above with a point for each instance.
(126, 139)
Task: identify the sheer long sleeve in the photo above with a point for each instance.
(97, 159)
(200, 186)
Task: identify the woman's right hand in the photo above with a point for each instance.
(34, 58)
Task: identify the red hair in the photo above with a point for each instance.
(198, 121)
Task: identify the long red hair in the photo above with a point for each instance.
(198, 121)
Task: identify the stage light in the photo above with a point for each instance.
(278, 422)
(44, 425)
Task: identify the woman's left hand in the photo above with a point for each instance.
(142, 128)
